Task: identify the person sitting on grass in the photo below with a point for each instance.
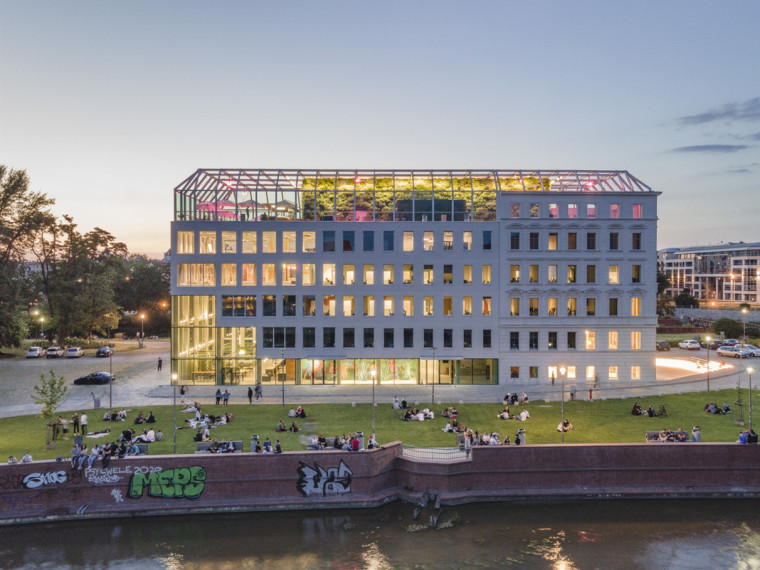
(280, 426)
(448, 428)
(293, 427)
(151, 419)
(407, 416)
(504, 415)
(636, 410)
(524, 415)
(565, 426)
(300, 412)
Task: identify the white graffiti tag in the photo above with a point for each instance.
(116, 494)
(116, 474)
(34, 480)
(319, 481)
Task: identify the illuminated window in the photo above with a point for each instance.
(185, 242)
(591, 372)
(427, 306)
(249, 274)
(552, 273)
(448, 306)
(486, 275)
(408, 241)
(486, 306)
(572, 306)
(533, 274)
(309, 243)
(553, 241)
(309, 274)
(328, 306)
(467, 274)
(448, 274)
(229, 242)
(614, 210)
(387, 274)
(514, 273)
(572, 210)
(571, 373)
(427, 275)
(229, 274)
(614, 275)
(289, 274)
(349, 274)
(612, 340)
(348, 306)
(635, 372)
(552, 307)
(590, 340)
(514, 307)
(369, 274)
(248, 242)
(572, 273)
(591, 210)
(388, 306)
(467, 305)
(328, 274)
(408, 276)
(635, 306)
(408, 306)
(533, 306)
(635, 340)
(369, 306)
(553, 211)
(613, 373)
(269, 242)
(467, 241)
(289, 242)
(268, 274)
(428, 241)
(637, 211)
(309, 306)
(590, 307)
(207, 242)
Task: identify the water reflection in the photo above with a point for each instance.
(567, 536)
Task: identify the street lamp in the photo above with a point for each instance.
(174, 384)
(562, 374)
(750, 370)
(282, 374)
(744, 326)
(36, 312)
(373, 372)
(142, 330)
(708, 339)
(42, 324)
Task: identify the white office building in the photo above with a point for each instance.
(508, 277)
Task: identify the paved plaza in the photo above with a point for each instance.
(139, 383)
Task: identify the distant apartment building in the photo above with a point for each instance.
(726, 272)
(413, 277)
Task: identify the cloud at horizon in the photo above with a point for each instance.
(748, 111)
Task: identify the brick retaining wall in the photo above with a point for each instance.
(155, 485)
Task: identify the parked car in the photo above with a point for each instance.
(104, 351)
(733, 351)
(712, 345)
(35, 352)
(663, 345)
(54, 352)
(731, 342)
(95, 378)
(752, 350)
(74, 352)
(689, 345)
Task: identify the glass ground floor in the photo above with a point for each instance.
(228, 371)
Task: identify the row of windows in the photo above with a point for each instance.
(552, 307)
(249, 241)
(552, 372)
(552, 242)
(552, 274)
(246, 306)
(285, 337)
(204, 274)
(573, 211)
(590, 340)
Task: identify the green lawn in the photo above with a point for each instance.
(595, 422)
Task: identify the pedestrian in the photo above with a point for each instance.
(250, 395)
(258, 391)
(277, 446)
(75, 422)
(160, 363)
(83, 421)
(218, 396)
(226, 397)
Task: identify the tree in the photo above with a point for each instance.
(665, 305)
(50, 393)
(685, 299)
(729, 327)
(22, 214)
(663, 282)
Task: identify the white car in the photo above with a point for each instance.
(74, 352)
(35, 352)
(752, 349)
(732, 351)
(689, 345)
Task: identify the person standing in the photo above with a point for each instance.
(218, 396)
(226, 397)
(83, 421)
(75, 423)
(160, 363)
(250, 395)
(258, 391)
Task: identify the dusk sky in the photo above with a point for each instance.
(109, 105)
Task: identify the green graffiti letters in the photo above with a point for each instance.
(182, 482)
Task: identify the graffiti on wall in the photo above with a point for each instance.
(35, 480)
(178, 483)
(115, 474)
(323, 482)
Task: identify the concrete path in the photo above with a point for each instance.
(139, 384)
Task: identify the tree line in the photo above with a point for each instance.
(84, 283)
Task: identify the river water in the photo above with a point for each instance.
(592, 534)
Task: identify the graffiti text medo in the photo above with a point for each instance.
(182, 482)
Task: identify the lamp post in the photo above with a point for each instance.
(174, 385)
(744, 326)
(372, 373)
(282, 374)
(562, 374)
(42, 324)
(36, 312)
(733, 295)
(750, 370)
(142, 330)
(708, 339)
(435, 379)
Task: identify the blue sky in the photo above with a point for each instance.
(109, 105)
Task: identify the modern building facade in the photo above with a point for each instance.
(724, 273)
(413, 277)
